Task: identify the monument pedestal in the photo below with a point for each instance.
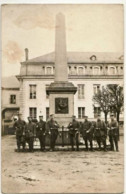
(61, 101)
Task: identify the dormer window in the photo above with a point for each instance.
(96, 70)
(121, 57)
(49, 70)
(80, 70)
(112, 70)
(69, 69)
(121, 70)
(93, 58)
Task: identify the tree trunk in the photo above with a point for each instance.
(106, 114)
(117, 117)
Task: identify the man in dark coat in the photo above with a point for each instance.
(40, 132)
(113, 133)
(74, 133)
(87, 132)
(29, 133)
(52, 129)
(19, 127)
(100, 132)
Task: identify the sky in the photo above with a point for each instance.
(89, 28)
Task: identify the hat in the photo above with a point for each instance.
(112, 114)
(74, 116)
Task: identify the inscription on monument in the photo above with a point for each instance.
(61, 106)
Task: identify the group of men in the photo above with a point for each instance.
(90, 131)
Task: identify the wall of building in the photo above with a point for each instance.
(6, 93)
(41, 101)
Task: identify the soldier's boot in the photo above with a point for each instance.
(105, 146)
(116, 145)
(99, 145)
(18, 147)
(91, 146)
(77, 147)
(86, 144)
(18, 150)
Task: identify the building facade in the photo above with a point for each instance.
(10, 102)
(89, 72)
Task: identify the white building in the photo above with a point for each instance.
(87, 71)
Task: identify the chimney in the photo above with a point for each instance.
(26, 54)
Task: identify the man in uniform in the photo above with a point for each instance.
(40, 132)
(87, 132)
(100, 132)
(29, 133)
(113, 133)
(19, 127)
(74, 128)
(52, 128)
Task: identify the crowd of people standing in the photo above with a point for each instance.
(90, 131)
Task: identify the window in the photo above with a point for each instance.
(81, 91)
(73, 70)
(96, 111)
(47, 96)
(47, 113)
(12, 99)
(93, 58)
(96, 70)
(32, 91)
(80, 70)
(49, 70)
(96, 88)
(33, 112)
(112, 70)
(81, 112)
(121, 70)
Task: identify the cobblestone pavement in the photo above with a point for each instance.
(61, 171)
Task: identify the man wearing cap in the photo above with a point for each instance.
(113, 133)
(40, 132)
(52, 129)
(19, 127)
(74, 128)
(87, 132)
(100, 132)
(29, 133)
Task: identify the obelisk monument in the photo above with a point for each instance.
(61, 91)
(61, 71)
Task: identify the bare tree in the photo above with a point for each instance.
(117, 98)
(103, 99)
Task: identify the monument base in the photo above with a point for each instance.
(61, 101)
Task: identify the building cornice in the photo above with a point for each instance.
(75, 77)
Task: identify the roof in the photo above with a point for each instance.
(81, 57)
(10, 82)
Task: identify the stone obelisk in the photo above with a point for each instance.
(61, 69)
(61, 91)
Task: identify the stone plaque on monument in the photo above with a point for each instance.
(61, 106)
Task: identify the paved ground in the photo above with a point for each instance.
(61, 171)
